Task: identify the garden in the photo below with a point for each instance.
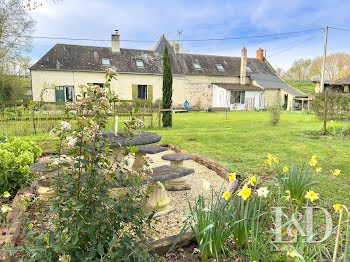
(237, 188)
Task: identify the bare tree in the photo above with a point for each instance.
(337, 66)
(15, 27)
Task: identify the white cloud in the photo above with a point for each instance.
(146, 20)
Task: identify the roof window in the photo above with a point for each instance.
(220, 67)
(196, 66)
(139, 63)
(106, 61)
(249, 69)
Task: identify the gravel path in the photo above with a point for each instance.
(171, 224)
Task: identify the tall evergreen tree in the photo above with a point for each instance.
(167, 89)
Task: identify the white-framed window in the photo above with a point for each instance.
(249, 69)
(220, 67)
(139, 63)
(196, 66)
(237, 97)
(105, 61)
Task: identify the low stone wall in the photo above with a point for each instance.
(15, 219)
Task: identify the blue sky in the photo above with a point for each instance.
(147, 20)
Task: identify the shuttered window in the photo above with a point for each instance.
(142, 92)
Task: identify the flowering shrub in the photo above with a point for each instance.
(16, 156)
(89, 220)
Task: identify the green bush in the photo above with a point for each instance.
(338, 107)
(275, 113)
(16, 156)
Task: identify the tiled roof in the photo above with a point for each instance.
(238, 87)
(64, 57)
(342, 81)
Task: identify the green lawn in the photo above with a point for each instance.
(305, 87)
(242, 142)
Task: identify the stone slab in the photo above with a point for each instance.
(176, 157)
(151, 149)
(166, 173)
(42, 168)
(142, 138)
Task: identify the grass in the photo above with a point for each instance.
(242, 142)
(305, 87)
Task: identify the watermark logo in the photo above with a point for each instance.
(301, 224)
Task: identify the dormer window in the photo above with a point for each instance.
(106, 61)
(249, 69)
(196, 66)
(139, 63)
(220, 67)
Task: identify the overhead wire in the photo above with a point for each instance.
(295, 45)
(183, 40)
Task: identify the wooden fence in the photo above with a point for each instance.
(32, 118)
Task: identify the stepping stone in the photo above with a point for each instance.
(176, 159)
(179, 183)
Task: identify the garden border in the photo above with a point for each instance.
(15, 221)
(160, 246)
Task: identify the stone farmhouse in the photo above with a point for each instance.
(204, 81)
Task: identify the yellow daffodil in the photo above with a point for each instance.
(252, 180)
(269, 156)
(226, 195)
(275, 159)
(313, 162)
(232, 176)
(245, 192)
(337, 207)
(291, 253)
(311, 195)
(287, 197)
(269, 162)
(319, 169)
(285, 169)
(314, 158)
(336, 172)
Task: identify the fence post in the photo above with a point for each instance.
(151, 114)
(159, 114)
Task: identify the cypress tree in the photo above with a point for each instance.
(167, 89)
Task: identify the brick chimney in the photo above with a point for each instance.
(243, 66)
(260, 54)
(115, 42)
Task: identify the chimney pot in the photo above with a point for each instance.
(115, 42)
(260, 54)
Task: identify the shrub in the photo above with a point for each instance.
(88, 220)
(275, 113)
(16, 156)
(338, 107)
